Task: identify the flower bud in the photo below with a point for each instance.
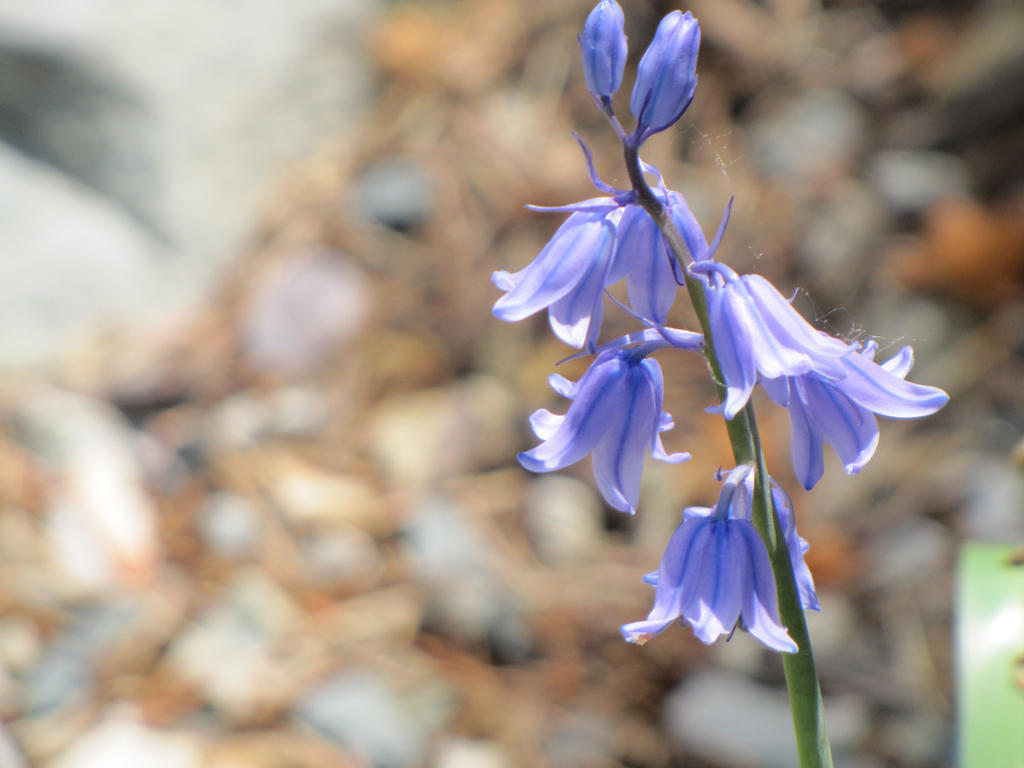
(603, 44)
(666, 76)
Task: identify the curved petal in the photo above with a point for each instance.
(642, 257)
(674, 581)
(718, 595)
(805, 443)
(878, 389)
(900, 363)
(563, 386)
(733, 350)
(686, 223)
(576, 317)
(760, 604)
(619, 455)
(544, 423)
(850, 429)
(599, 397)
(559, 267)
(777, 389)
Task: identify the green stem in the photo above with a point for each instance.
(801, 677)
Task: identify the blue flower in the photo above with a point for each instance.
(615, 415)
(841, 410)
(567, 278)
(603, 44)
(756, 332)
(715, 573)
(666, 76)
(795, 543)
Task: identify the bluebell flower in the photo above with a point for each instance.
(795, 543)
(603, 44)
(567, 278)
(716, 574)
(840, 410)
(666, 76)
(756, 332)
(615, 415)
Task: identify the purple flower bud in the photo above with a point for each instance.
(666, 76)
(603, 44)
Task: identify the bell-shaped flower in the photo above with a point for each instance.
(567, 278)
(603, 44)
(756, 332)
(666, 76)
(615, 415)
(795, 543)
(716, 574)
(841, 410)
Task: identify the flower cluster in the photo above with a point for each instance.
(716, 573)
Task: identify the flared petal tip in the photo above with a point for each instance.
(639, 632)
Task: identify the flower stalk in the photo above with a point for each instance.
(805, 698)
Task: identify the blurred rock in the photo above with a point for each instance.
(63, 673)
(246, 626)
(179, 117)
(302, 310)
(911, 181)
(397, 193)
(468, 599)
(580, 740)
(564, 519)
(425, 435)
(361, 712)
(917, 738)
(10, 753)
(838, 233)
(314, 496)
(19, 643)
(911, 552)
(994, 500)
(702, 714)
(833, 628)
(121, 741)
(230, 525)
(343, 557)
(815, 134)
(98, 268)
(101, 522)
(466, 753)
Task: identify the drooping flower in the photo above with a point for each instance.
(756, 332)
(666, 76)
(795, 543)
(715, 573)
(603, 44)
(604, 240)
(841, 410)
(567, 278)
(615, 415)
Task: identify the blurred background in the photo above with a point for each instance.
(259, 504)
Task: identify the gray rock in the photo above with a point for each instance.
(397, 193)
(913, 180)
(230, 525)
(817, 131)
(178, 117)
(360, 711)
(73, 262)
(995, 498)
(563, 517)
(702, 714)
(911, 552)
